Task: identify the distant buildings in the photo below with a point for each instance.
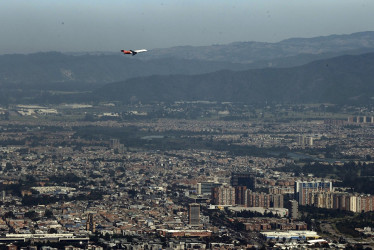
(117, 146)
(241, 192)
(114, 143)
(335, 122)
(351, 202)
(241, 196)
(305, 140)
(290, 235)
(304, 189)
(361, 119)
(65, 237)
(320, 194)
(185, 233)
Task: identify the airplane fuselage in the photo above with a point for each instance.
(133, 52)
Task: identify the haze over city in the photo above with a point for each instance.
(97, 25)
(197, 124)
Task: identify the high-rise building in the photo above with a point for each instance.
(117, 146)
(304, 140)
(277, 200)
(304, 189)
(194, 214)
(254, 199)
(240, 195)
(206, 187)
(293, 209)
(353, 204)
(366, 203)
(341, 201)
(323, 199)
(114, 143)
(224, 195)
(3, 195)
(243, 179)
(90, 223)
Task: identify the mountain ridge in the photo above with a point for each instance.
(29, 77)
(248, 52)
(337, 80)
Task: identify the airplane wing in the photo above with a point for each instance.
(140, 50)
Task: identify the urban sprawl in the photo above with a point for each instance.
(186, 175)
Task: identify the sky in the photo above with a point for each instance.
(111, 25)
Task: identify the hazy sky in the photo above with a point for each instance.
(28, 26)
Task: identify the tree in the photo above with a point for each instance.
(52, 231)
(48, 213)
(8, 166)
(9, 214)
(107, 236)
(31, 215)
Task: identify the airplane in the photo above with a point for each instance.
(133, 52)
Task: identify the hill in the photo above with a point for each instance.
(53, 70)
(84, 71)
(42, 77)
(260, 54)
(344, 79)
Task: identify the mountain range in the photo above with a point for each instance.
(344, 79)
(241, 71)
(272, 54)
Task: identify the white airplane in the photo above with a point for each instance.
(133, 52)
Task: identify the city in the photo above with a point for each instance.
(148, 125)
(205, 175)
